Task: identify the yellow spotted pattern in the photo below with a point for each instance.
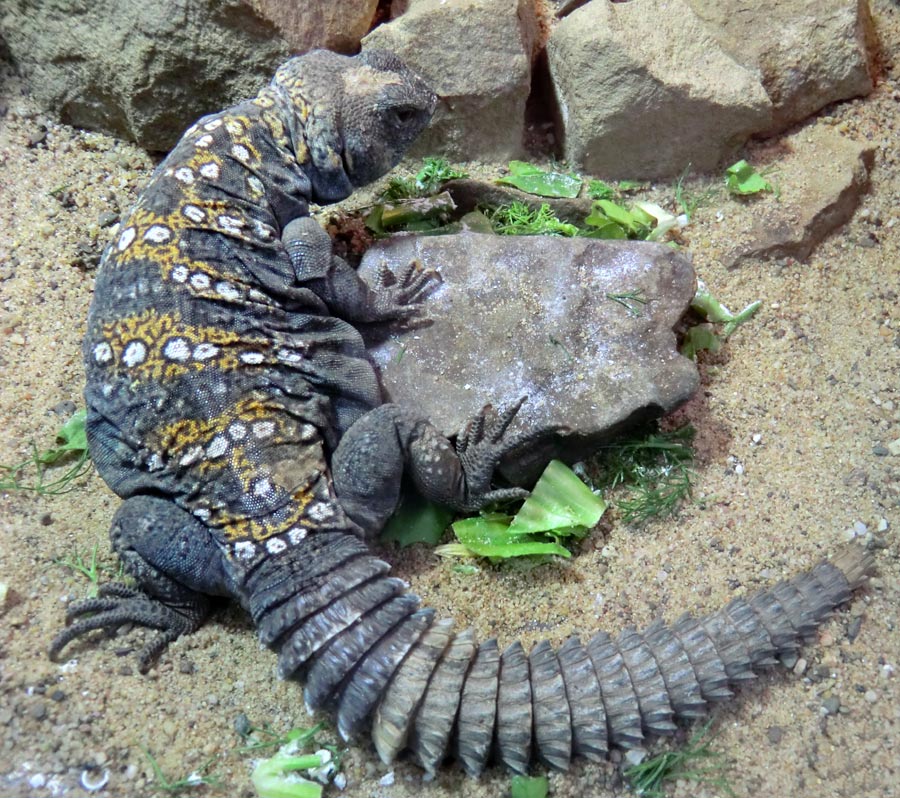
(172, 348)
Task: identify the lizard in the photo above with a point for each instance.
(233, 409)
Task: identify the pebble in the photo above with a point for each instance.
(775, 734)
(871, 697)
(831, 705)
(387, 779)
(38, 711)
(800, 666)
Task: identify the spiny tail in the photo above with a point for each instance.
(365, 648)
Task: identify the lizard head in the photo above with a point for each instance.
(352, 117)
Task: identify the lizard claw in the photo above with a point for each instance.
(117, 604)
(400, 296)
(480, 446)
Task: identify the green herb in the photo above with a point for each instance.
(261, 738)
(533, 180)
(419, 214)
(90, 570)
(742, 179)
(597, 189)
(695, 762)
(704, 336)
(196, 779)
(655, 471)
(276, 777)
(529, 787)
(416, 520)
(632, 301)
(644, 221)
(560, 507)
(518, 219)
(690, 202)
(466, 569)
(428, 180)
(72, 443)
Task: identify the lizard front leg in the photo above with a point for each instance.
(370, 460)
(336, 283)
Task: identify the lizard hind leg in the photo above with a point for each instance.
(176, 564)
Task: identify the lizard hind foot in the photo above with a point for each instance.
(118, 604)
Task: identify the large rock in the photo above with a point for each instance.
(539, 316)
(810, 52)
(332, 24)
(821, 176)
(476, 54)
(142, 71)
(644, 90)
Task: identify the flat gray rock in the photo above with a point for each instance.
(544, 317)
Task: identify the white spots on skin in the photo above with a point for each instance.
(234, 127)
(125, 240)
(258, 296)
(194, 213)
(180, 274)
(184, 174)
(177, 349)
(289, 356)
(217, 446)
(252, 358)
(263, 429)
(275, 545)
(227, 291)
(155, 462)
(210, 171)
(203, 142)
(199, 281)
(308, 433)
(263, 487)
(202, 513)
(103, 353)
(158, 234)
(231, 224)
(244, 550)
(263, 231)
(191, 456)
(321, 511)
(237, 430)
(205, 351)
(240, 152)
(296, 534)
(215, 123)
(256, 185)
(135, 353)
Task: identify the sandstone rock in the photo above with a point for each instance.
(143, 71)
(810, 52)
(644, 90)
(820, 182)
(332, 24)
(534, 316)
(476, 54)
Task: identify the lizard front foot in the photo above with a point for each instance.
(480, 446)
(398, 297)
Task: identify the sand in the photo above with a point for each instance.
(795, 419)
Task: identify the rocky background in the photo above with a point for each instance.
(798, 418)
(634, 90)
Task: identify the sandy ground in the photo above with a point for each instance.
(806, 400)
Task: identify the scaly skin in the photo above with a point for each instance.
(231, 405)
